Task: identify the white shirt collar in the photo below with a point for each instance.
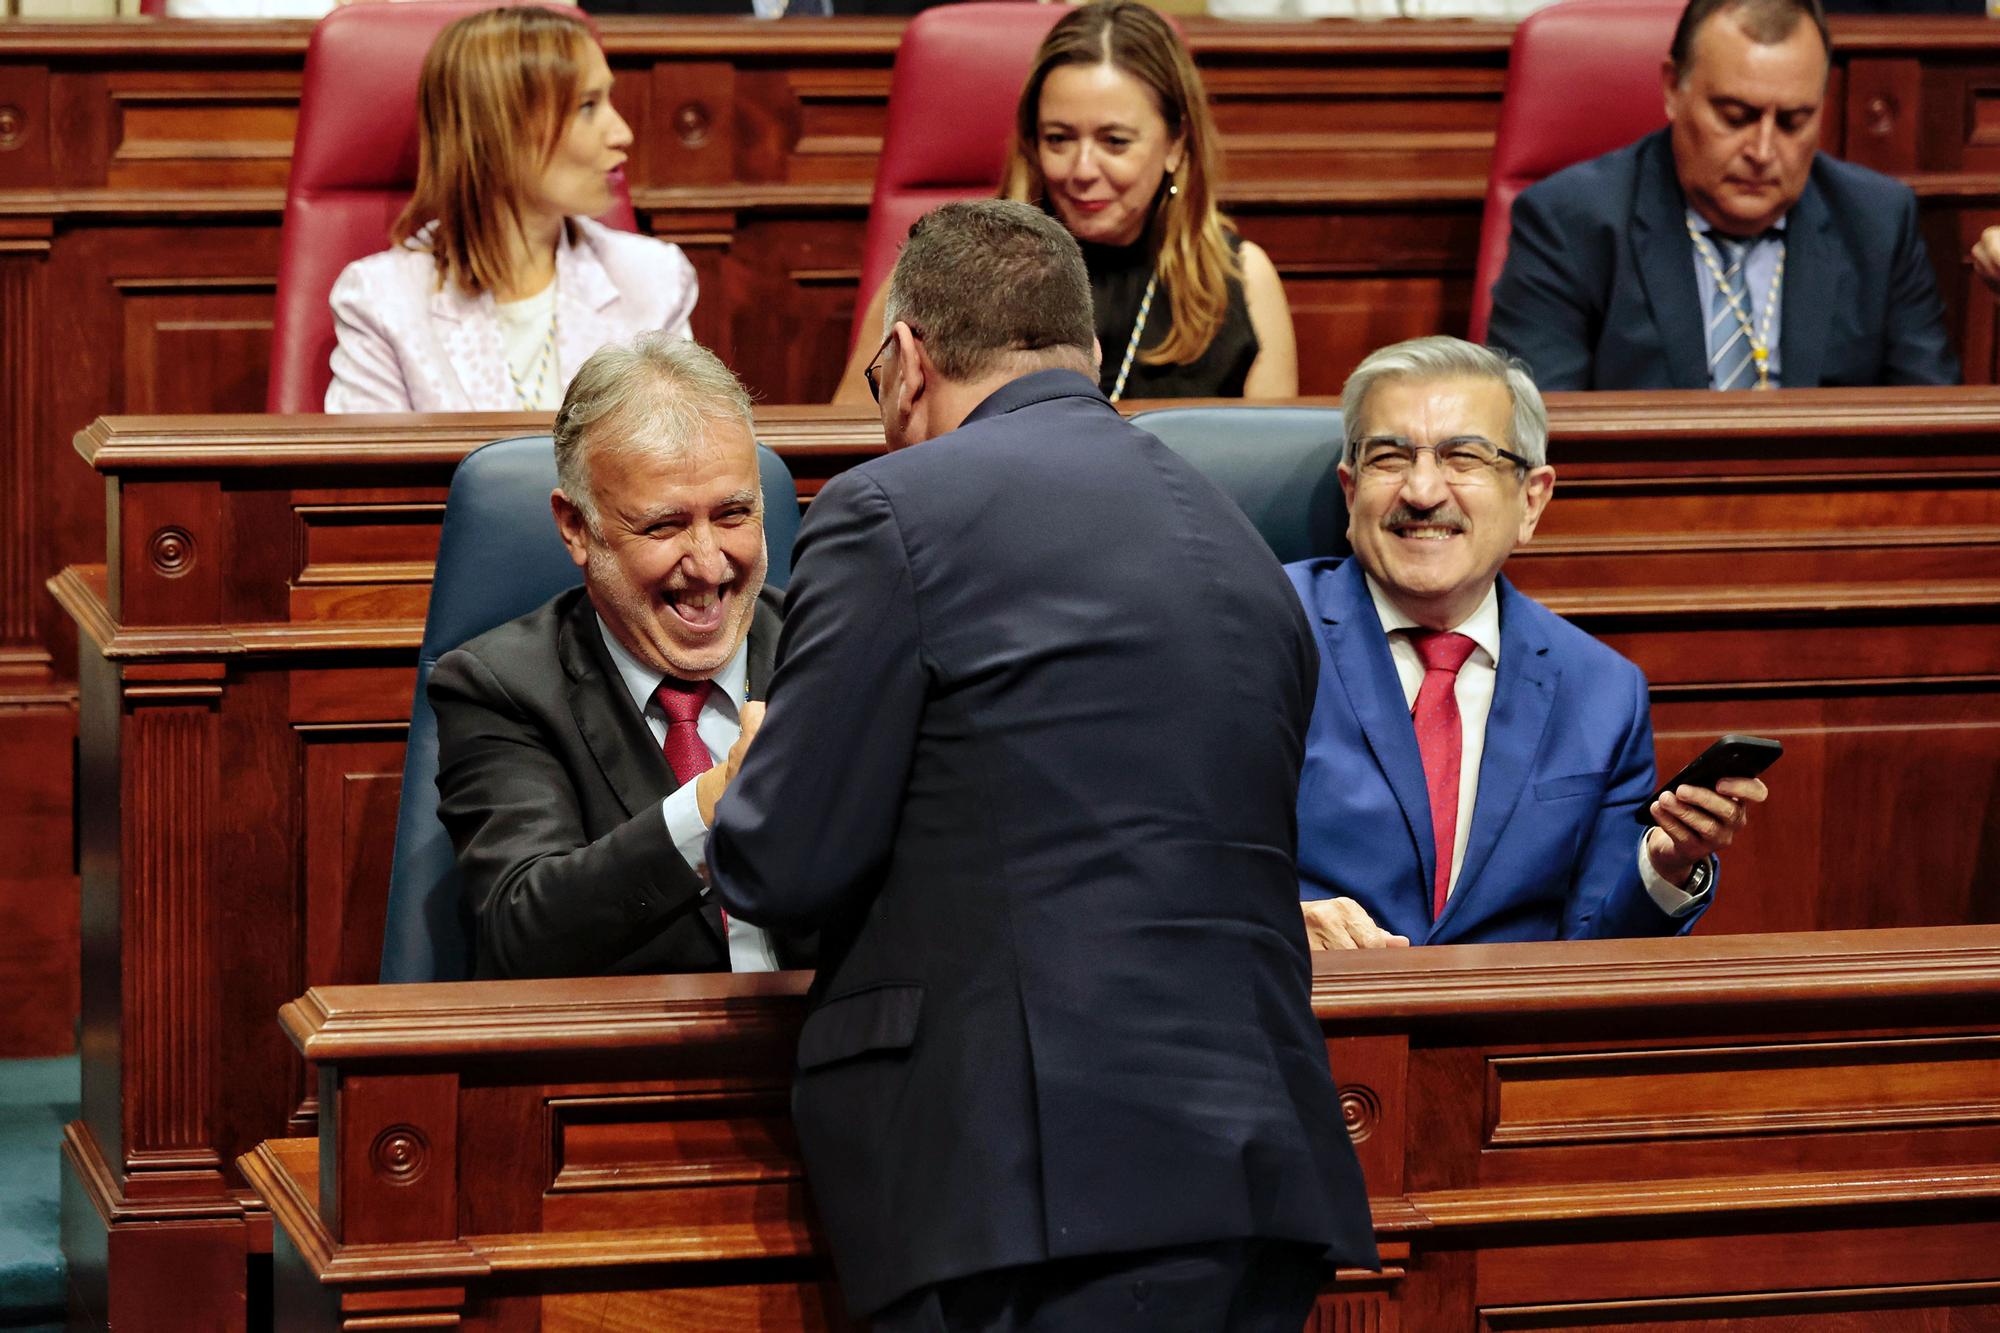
(1482, 626)
(641, 680)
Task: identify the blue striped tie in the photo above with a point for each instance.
(1730, 364)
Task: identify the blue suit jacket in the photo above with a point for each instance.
(1553, 852)
(1599, 288)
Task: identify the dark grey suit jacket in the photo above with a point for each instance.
(1032, 762)
(550, 785)
(1599, 289)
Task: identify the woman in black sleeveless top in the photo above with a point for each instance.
(1113, 137)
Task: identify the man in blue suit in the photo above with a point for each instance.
(1031, 763)
(1475, 761)
(1724, 251)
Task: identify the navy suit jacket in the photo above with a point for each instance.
(1031, 761)
(1599, 288)
(1554, 850)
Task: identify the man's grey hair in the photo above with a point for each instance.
(1441, 357)
(655, 393)
(987, 281)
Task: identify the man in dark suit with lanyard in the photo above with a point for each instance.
(1030, 765)
(581, 748)
(1724, 251)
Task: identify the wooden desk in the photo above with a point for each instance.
(248, 660)
(142, 167)
(1784, 1131)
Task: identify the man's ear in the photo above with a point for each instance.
(1346, 475)
(1670, 88)
(573, 527)
(914, 373)
(1536, 488)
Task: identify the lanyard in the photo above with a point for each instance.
(1760, 345)
(1132, 343)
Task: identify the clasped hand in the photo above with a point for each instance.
(708, 788)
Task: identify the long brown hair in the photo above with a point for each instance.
(496, 90)
(1190, 236)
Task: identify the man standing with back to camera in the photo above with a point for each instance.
(1030, 765)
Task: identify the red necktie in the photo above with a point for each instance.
(1441, 742)
(681, 701)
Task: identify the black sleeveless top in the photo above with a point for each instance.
(1118, 283)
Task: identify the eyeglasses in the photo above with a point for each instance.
(873, 374)
(1469, 459)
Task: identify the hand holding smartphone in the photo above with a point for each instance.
(1734, 756)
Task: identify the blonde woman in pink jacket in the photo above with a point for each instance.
(497, 285)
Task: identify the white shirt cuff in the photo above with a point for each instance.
(683, 815)
(1669, 898)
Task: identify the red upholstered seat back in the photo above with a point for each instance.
(354, 164)
(1583, 78)
(958, 74)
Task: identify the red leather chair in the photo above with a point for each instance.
(958, 74)
(1583, 78)
(354, 164)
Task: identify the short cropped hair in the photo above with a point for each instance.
(987, 278)
(1768, 22)
(497, 87)
(1440, 357)
(656, 393)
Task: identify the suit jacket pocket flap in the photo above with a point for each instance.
(1579, 784)
(881, 1018)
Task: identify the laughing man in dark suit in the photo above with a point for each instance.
(1724, 251)
(579, 841)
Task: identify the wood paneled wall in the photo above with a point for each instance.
(142, 168)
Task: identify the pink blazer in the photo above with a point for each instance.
(405, 345)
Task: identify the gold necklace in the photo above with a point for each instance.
(1760, 347)
(1132, 343)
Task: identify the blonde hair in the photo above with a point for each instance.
(496, 90)
(1188, 234)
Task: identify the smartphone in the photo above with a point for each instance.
(1734, 756)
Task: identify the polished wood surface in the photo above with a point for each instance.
(142, 167)
(1782, 1131)
(1816, 566)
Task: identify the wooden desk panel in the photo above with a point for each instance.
(1792, 1130)
(248, 663)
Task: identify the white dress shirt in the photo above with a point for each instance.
(719, 724)
(1475, 704)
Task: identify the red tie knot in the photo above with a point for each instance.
(1441, 650)
(681, 700)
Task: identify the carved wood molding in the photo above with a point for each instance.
(20, 535)
(169, 994)
(285, 1171)
(1871, 970)
(348, 1023)
(1503, 1206)
(1793, 1305)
